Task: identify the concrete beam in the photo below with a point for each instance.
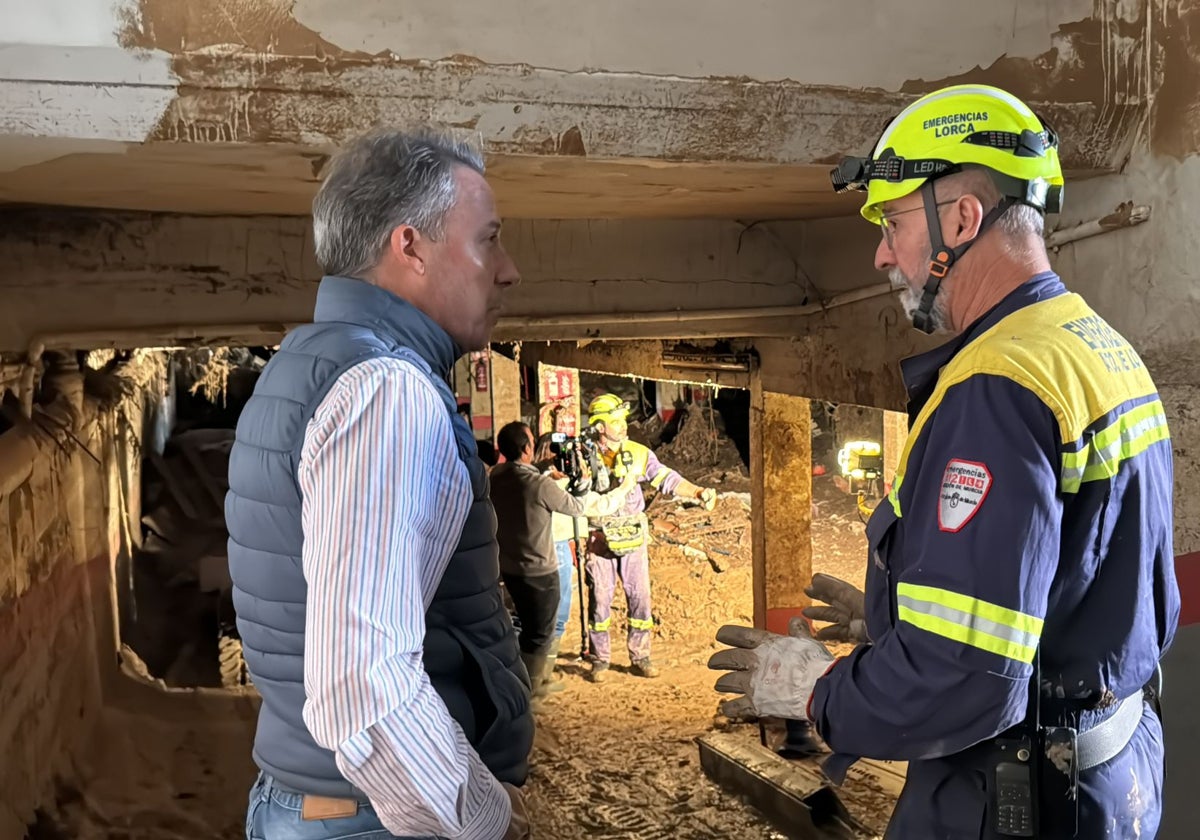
(73, 270)
(643, 359)
(255, 98)
(218, 107)
(838, 358)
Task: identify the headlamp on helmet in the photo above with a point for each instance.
(606, 408)
(960, 127)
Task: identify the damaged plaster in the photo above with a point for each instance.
(59, 60)
(1139, 60)
(875, 47)
(613, 91)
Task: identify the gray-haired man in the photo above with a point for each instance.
(362, 541)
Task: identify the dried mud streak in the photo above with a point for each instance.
(279, 81)
(1137, 69)
(257, 26)
(1176, 126)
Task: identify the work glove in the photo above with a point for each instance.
(845, 610)
(774, 674)
(707, 497)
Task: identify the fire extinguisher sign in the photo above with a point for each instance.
(558, 400)
(479, 369)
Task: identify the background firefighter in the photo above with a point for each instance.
(617, 545)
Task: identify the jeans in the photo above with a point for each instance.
(566, 568)
(274, 814)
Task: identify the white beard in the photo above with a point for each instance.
(910, 300)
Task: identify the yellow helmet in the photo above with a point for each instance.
(607, 407)
(951, 129)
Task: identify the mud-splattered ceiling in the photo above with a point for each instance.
(232, 106)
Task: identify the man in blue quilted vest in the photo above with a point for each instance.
(362, 541)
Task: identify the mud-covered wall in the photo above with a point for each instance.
(69, 491)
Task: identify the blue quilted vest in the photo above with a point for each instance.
(470, 652)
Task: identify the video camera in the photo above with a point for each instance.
(578, 458)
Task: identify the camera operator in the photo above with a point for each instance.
(564, 531)
(525, 501)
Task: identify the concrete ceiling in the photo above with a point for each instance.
(280, 179)
(215, 108)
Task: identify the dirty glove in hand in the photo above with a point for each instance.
(776, 674)
(845, 610)
(708, 498)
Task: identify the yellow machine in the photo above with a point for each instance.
(861, 462)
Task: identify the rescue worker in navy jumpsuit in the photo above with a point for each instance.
(1029, 527)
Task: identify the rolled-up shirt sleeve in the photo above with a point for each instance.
(385, 496)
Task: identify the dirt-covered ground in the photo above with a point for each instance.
(619, 758)
(612, 760)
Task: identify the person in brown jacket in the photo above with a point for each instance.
(525, 500)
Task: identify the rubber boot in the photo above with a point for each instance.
(644, 668)
(536, 666)
(553, 681)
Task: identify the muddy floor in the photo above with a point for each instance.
(619, 759)
(612, 760)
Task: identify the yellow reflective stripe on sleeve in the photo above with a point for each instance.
(970, 621)
(1129, 435)
(641, 623)
(602, 626)
(660, 477)
(1063, 353)
(894, 495)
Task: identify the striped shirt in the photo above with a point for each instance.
(385, 498)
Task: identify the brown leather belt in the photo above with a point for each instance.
(315, 807)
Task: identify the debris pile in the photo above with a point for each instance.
(704, 453)
(700, 568)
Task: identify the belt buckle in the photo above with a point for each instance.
(314, 807)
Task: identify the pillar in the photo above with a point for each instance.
(781, 504)
(506, 391)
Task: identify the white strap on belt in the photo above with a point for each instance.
(1104, 742)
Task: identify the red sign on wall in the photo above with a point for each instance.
(558, 400)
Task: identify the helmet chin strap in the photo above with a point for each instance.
(942, 257)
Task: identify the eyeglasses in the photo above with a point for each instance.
(885, 221)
